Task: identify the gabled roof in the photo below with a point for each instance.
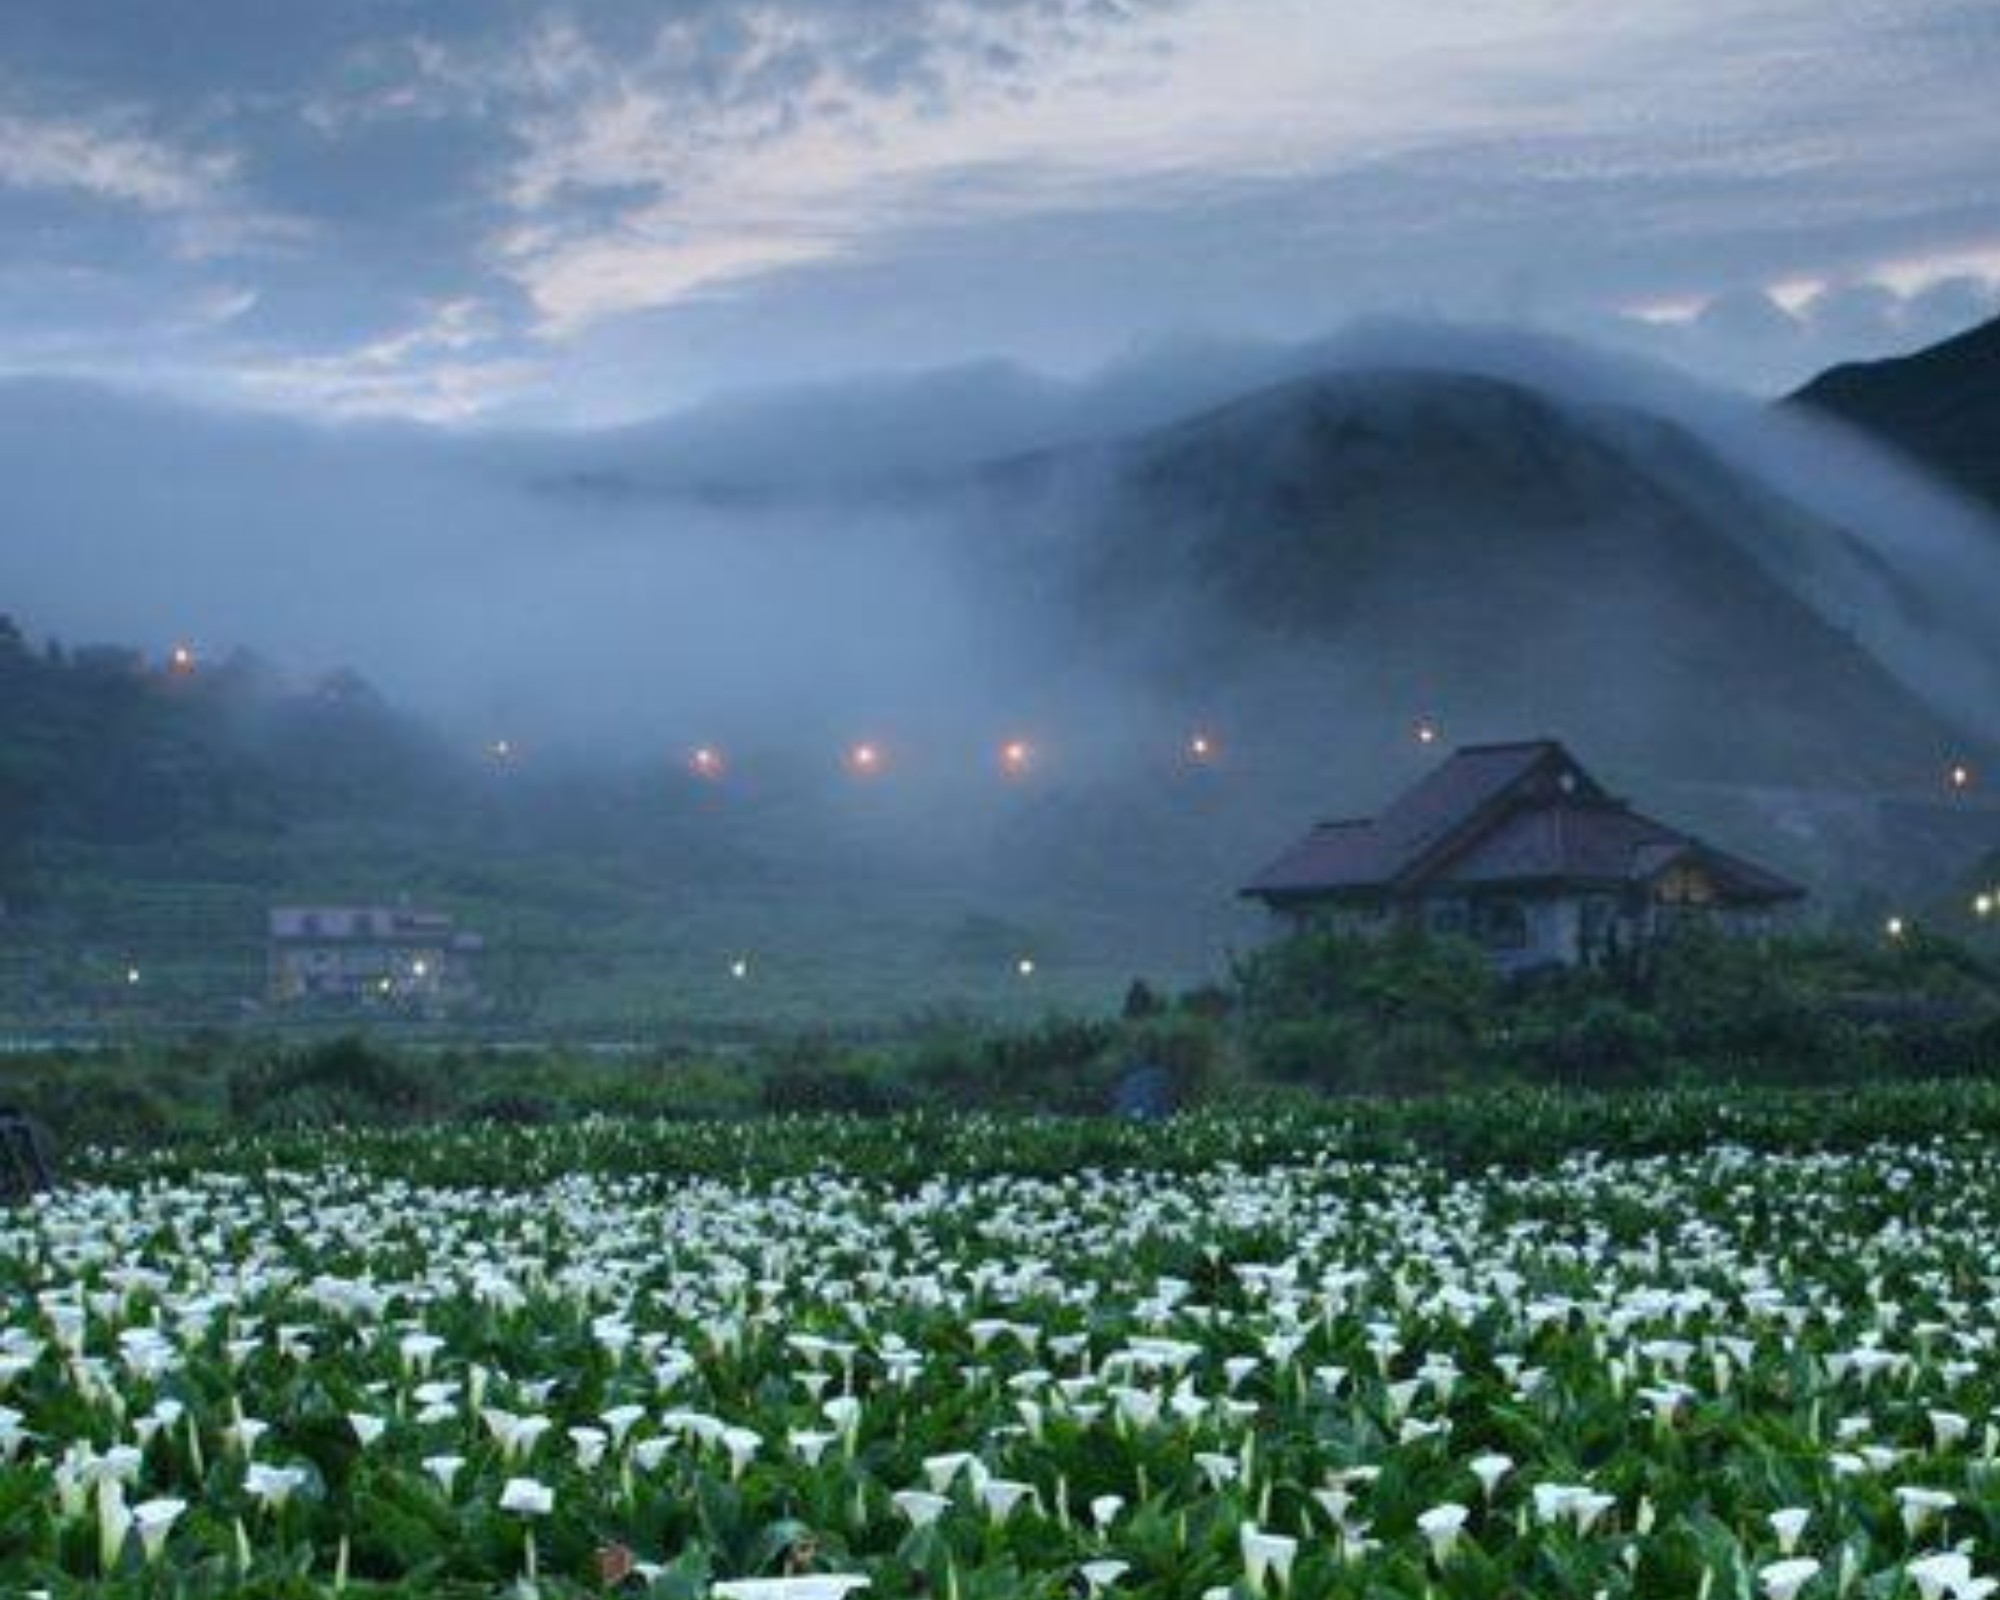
(1495, 815)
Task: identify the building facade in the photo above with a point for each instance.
(1517, 848)
(371, 957)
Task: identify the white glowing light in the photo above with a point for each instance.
(705, 762)
(865, 758)
(1016, 757)
(1025, 967)
(1960, 776)
(739, 969)
(1895, 927)
(501, 749)
(1982, 905)
(1427, 732)
(182, 659)
(1200, 747)
(420, 968)
(132, 976)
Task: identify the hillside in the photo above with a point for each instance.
(1351, 552)
(150, 815)
(1304, 573)
(1940, 406)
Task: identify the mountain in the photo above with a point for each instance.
(1342, 555)
(1940, 406)
(1303, 571)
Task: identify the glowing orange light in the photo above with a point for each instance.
(705, 762)
(865, 759)
(1016, 757)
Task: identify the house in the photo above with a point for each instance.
(371, 956)
(1517, 847)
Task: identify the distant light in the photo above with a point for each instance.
(1427, 732)
(1200, 747)
(420, 968)
(864, 759)
(1982, 905)
(1895, 927)
(705, 761)
(181, 659)
(1025, 967)
(132, 977)
(501, 749)
(739, 969)
(1960, 776)
(1016, 757)
(384, 985)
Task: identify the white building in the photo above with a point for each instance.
(371, 956)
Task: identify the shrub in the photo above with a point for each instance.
(345, 1080)
(1320, 1051)
(1190, 1049)
(1404, 977)
(1061, 1064)
(1601, 1041)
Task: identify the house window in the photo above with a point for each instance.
(1501, 924)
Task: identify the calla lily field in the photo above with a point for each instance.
(1204, 1359)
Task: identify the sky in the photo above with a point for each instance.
(528, 212)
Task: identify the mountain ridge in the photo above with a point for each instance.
(1378, 516)
(1939, 406)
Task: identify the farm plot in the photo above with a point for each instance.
(1720, 1374)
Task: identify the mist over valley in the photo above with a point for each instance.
(1111, 641)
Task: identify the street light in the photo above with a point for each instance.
(864, 760)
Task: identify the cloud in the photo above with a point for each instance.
(451, 364)
(107, 159)
(650, 202)
(1772, 337)
(743, 141)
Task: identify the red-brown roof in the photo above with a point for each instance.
(1494, 815)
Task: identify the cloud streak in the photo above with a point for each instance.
(636, 205)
